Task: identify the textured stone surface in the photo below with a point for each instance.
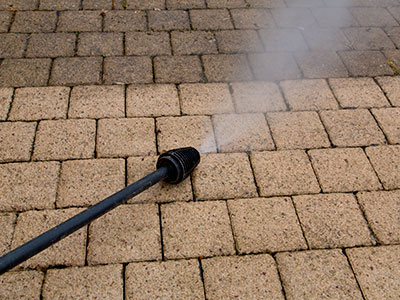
(287, 39)
(79, 21)
(311, 66)
(34, 21)
(5, 19)
(366, 63)
(238, 41)
(390, 86)
(12, 45)
(373, 16)
(177, 69)
(6, 95)
(193, 42)
(225, 68)
(389, 120)
(127, 69)
(252, 18)
(51, 45)
(100, 43)
(7, 221)
(168, 20)
(210, 19)
(59, 5)
(120, 20)
(147, 43)
(21, 285)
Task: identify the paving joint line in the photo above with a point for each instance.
(354, 274)
(300, 223)
(201, 270)
(235, 242)
(161, 232)
(280, 277)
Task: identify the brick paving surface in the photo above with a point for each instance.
(294, 104)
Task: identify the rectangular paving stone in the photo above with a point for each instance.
(205, 99)
(257, 97)
(177, 69)
(20, 285)
(293, 17)
(100, 44)
(242, 132)
(224, 176)
(51, 45)
(124, 20)
(18, 4)
(226, 67)
(185, 131)
(367, 38)
(238, 41)
(168, 20)
(305, 3)
(391, 87)
(6, 95)
(128, 233)
(127, 69)
(79, 21)
(297, 130)
(138, 167)
(210, 19)
(147, 43)
(327, 39)
(59, 5)
(185, 4)
(380, 209)
(145, 4)
(7, 222)
(376, 269)
(250, 18)
(38, 103)
(224, 278)
(283, 39)
(28, 186)
(333, 16)
(366, 63)
(134, 136)
(193, 42)
(343, 170)
(348, 128)
(103, 282)
(97, 102)
(76, 70)
(312, 275)
(34, 21)
(394, 34)
(389, 120)
(86, 182)
(273, 66)
(265, 224)
(5, 20)
(226, 3)
(196, 229)
(385, 160)
(12, 45)
(283, 173)
(358, 93)
(68, 252)
(178, 279)
(308, 95)
(97, 4)
(266, 3)
(373, 16)
(16, 140)
(332, 221)
(152, 100)
(24, 72)
(321, 64)
(65, 139)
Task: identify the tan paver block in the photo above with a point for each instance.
(265, 224)
(168, 20)
(196, 229)
(334, 17)
(12, 45)
(343, 170)
(386, 162)
(177, 69)
(210, 19)
(332, 221)
(68, 252)
(27, 186)
(6, 95)
(238, 41)
(185, 4)
(134, 136)
(128, 233)
(225, 3)
(16, 140)
(252, 18)
(34, 21)
(352, 128)
(5, 20)
(391, 87)
(308, 94)
(297, 130)
(327, 39)
(266, 3)
(146, 4)
(321, 64)
(205, 99)
(59, 5)
(222, 176)
(193, 42)
(226, 67)
(86, 182)
(152, 100)
(172, 279)
(373, 16)
(186, 131)
(7, 222)
(79, 21)
(100, 43)
(242, 277)
(389, 121)
(18, 4)
(97, 4)
(138, 167)
(97, 102)
(51, 45)
(147, 43)
(101, 282)
(65, 139)
(39, 103)
(127, 69)
(312, 275)
(257, 97)
(380, 209)
(124, 20)
(376, 270)
(358, 93)
(24, 72)
(242, 132)
(286, 172)
(368, 38)
(21, 285)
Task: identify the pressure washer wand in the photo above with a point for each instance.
(172, 166)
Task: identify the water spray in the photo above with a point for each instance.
(172, 166)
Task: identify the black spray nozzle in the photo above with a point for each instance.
(180, 163)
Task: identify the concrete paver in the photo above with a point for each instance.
(16, 139)
(391, 88)
(147, 43)
(21, 285)
(389, 120)
(51, 44)
(100, 43)
(6, 95)
(7, 221)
